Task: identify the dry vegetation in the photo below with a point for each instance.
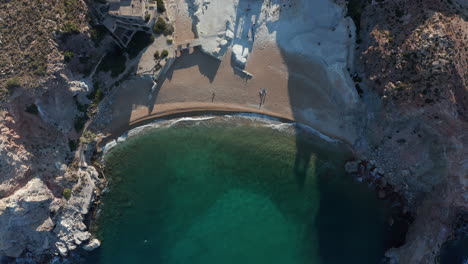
(416, 53)
(28, 38)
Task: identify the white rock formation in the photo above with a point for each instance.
(92, 245)
(215, 24)
(315, 30)
(240, 54)
(25, 222)
(58, 106)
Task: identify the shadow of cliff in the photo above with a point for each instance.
(207, 65)
(336, 239)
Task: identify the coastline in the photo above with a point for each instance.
(274, 122)
(186, 90)
(204, 111)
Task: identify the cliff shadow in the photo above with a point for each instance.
(318, 100)
(207, 65)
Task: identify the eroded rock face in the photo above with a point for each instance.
(15, 160)
(25, 222)
(413, 57)
(70, 230)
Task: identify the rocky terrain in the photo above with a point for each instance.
(46, 54)
(410, 71)
(412, 74)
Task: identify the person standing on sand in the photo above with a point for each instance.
(262, 93)
(213, 96)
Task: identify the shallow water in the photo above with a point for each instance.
(237, 192)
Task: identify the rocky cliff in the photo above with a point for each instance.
(43, 193)
(412, 75)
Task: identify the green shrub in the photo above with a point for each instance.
(70, 28)
(13, 83)
(156, 55)
(96, 85)
(67, 193)
(80, 122)
(87, 137)
(99, 96)
(40, 71)
(164, 53)
(32, 109)
(169, 41)
(68, 55)
(169, 30)
(147, 17)
(161, 8)
(160, 26)
(97, 34)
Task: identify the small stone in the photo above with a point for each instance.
(92, 245)
(62, 249)
(351, 166)
(80, 237)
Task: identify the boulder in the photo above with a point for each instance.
(92, 245)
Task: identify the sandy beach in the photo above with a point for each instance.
(198, 82)
(296, 88)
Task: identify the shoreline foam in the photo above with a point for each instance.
(264, 120)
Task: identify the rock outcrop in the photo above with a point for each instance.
(70, 229)
(15, 159)
(315, 31)
(25, 220)
(412, 55)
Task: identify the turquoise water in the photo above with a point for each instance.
(236, 192)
